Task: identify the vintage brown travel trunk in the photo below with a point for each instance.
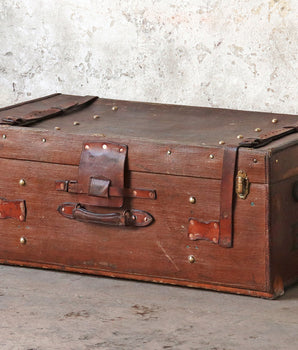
(198, 197)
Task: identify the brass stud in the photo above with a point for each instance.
(191, 259)
(274, 121)
(255, 160)
(87, 147)
(152, 194)
(76, 123)
(221, 142)
(96, 116)
(240, 137)
(211, 156)
(115, 108)
(104, 146)
(44, 140)
(23, 240)
(169, 152)
(192, 200)
(121, 150)
(22, 182)
(57, 128)
(4, 137)
(258, 129)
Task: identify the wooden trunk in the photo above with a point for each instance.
(197, 197)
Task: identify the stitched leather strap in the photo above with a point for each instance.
(36, 116)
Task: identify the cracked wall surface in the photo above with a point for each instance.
(239, 54)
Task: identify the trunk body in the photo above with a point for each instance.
(165, 191)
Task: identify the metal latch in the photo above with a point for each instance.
(242, 184)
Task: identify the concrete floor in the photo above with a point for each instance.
(41, 310)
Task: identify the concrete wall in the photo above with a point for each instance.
(235, 53)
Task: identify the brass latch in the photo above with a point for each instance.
(242, 184)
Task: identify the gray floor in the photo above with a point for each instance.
(51, 310)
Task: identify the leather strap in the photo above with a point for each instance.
(36, 116)
(74, 187)
(227, 196)
(266, 138)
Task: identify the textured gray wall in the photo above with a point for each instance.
(235, 54)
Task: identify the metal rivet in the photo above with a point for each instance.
(255, 160)
(44, 140)
(96, 116)
(4, 137)
(169, 152)
(121, 150)
(134, 193)
(152, 194)
(23, 240)
(191, 259)
(63, 209)
(104, 146)
(87, 147)
(146, 219)
(133, 217)
(22, 182)
(57, 128)
(192, 200)
(258, 129)
(21, 218)
(240, 137)
(274, 121)
(115, 108)
(211, 156)
(221, 142)
(76, 123)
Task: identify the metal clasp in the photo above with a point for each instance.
(242, 184)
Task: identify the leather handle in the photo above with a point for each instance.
(132, 217)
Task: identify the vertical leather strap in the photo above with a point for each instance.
(227, 196)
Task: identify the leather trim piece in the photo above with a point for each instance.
(15, 209)
(201, 230)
